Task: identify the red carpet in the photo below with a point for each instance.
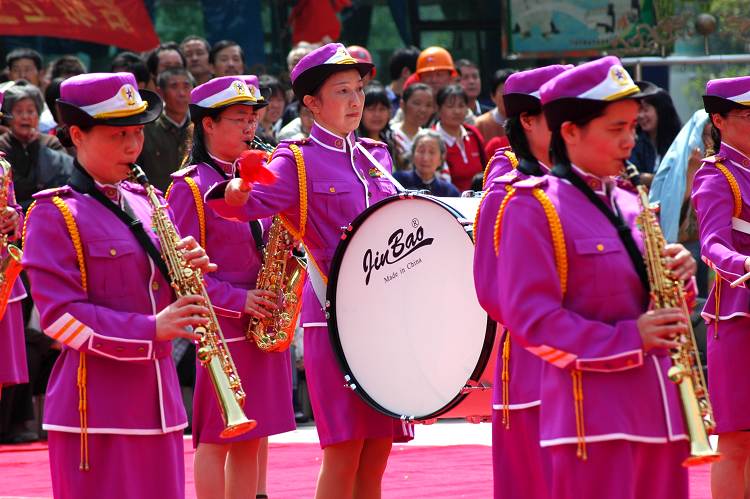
(413, 471)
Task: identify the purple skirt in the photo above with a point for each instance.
(13, 368)
(516, 453)
(340, 415)
(618, 469)
(121, 466)
(728, 383)
(267, 381)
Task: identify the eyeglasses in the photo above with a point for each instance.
(243, 123)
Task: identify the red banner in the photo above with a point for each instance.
(123, 23)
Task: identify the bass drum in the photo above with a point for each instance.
(403, 316)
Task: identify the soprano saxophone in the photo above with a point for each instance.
(686, 370)
(213, 352)
(10, 264)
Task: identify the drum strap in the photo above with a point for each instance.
(376, 164)
(317, 281)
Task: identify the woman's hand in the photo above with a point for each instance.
(194, 255)
(9, 221)
(237, 192)
(680, 261)
(659, 328)
(177, 320)
(260, 303)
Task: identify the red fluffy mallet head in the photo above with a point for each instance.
(252, 167)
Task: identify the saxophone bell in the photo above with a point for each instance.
(686, 370)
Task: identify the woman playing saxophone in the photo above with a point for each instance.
(224, 111)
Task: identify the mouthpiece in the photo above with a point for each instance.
(632, 173)
(138, 174)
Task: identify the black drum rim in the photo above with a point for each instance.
(333, 330)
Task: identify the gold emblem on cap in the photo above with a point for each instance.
(128, 93)
(239, 87)
(621, 76)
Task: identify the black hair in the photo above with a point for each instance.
(668, 123)
(715, 132)
(449, 92)
(24, 53)
(152, 61)
(196, 38)
(51, 94)
(517, 136)
(273, 83)
(198, 149)
(415, 87)
(404, 57)
(557, 148)
(132, 63)
(375, 94)
(163, 79)
(67, 65)
(221, 45)
(464, 63)
(498, 78)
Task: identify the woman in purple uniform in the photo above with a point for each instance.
(721, 192)
(224, 111)
(571, 286)
(322, 184)
(113, 409)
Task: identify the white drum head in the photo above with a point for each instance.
(405, 318)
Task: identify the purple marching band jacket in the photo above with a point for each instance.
(315, 203)
(519, 375)
(503, 161)
(228, 286)
(98, 294)
(721, 185)
(567, 290)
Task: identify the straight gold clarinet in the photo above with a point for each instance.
(213, 352)
(10, 264)
(686, 370)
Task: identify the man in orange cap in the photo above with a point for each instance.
(435, 68)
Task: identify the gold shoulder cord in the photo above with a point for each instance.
(75, 237)
(737, 195)
(476, 217)
(512, 157)
(199, 208)
(561, 262)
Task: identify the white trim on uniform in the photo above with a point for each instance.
(114, 431)
(517, 407)
(609, 436)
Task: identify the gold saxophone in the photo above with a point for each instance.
(283, 274)
(213, 352)
(10, 264)
(686, 370)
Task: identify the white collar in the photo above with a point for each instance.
(449, 139)
(226, 166)
(499, 118)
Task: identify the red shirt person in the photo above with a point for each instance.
(465, 155)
